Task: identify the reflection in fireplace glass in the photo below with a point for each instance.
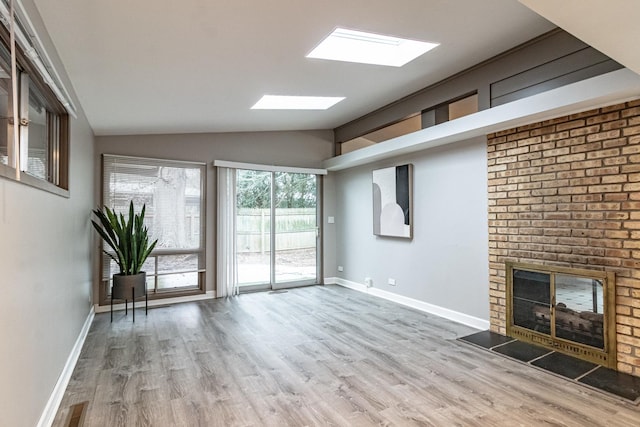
(532, 300)
(579, 310)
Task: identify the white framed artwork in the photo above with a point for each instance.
(392, 201)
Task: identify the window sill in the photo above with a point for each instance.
(164, 298)
(10, 173)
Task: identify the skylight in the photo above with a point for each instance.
(278, 102)
(367, 48)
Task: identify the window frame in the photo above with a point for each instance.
(104, 296)
(58, 152)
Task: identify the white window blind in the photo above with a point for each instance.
(173, 193)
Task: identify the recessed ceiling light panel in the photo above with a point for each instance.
(278, 102)
(368, 48)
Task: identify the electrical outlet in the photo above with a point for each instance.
(340, 268)
(368, 281)
(331, 220)
(391, 282)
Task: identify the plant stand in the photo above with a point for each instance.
(132, 285)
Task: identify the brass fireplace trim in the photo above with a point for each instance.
(607, 356)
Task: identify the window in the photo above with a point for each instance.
(37, 154)
(450, 110)
(403, 127)
(6, 115)
(173, 193)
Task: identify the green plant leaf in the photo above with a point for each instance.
(127, 236)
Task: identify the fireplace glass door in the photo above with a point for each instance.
(579, 310)
(559, 305)
(563, 309)
(532, 300)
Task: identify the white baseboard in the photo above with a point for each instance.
(156, 302)
(51, 408)
(446, 313)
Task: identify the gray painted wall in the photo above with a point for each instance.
(302, 149)
(446, 262)
(45, 265)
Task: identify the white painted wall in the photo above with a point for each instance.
(45, 275)
(291, 148)
(446, 262)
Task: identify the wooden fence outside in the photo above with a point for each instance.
(295, 229)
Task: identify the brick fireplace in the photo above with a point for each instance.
(566, 192)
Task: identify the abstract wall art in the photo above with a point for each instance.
(392, 201)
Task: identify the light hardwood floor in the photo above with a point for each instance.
(322, 355)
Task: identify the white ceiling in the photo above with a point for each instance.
(166, 66)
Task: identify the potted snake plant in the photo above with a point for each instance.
(129, 242)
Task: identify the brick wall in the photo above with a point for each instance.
(567, 192)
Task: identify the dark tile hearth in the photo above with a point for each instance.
(579, 371)
(618, 383)
(487, 339)
(564, 365)
(521, 350)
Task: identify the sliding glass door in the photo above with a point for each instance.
(277, 232)
(253, 228)
(296, 230)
